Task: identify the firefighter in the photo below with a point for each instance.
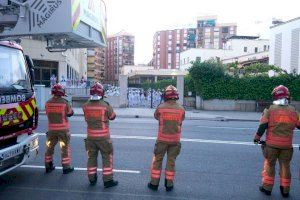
(170, 116)
(58, 110)
(97, 114)
(279, 120)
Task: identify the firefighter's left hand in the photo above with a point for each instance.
(256, 139)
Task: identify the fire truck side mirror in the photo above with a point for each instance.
(30, 67)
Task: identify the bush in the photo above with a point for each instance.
(211, 82)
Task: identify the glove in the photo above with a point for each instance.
(256, 139)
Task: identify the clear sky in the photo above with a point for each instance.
(143, 18)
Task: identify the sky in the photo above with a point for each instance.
(142, 18)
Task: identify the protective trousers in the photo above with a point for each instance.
(172, 151)
(93, 146)
(52, 138)
(284, 157)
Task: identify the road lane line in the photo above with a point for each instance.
(234, 128)
(84, 169)
(226, 127)
(182, 139)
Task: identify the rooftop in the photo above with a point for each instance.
(243, 37)
(291, 20)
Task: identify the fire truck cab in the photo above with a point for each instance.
(18, 109)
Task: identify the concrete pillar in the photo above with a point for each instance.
(123, 83)
(199, 103)
(40, 95)
(155, 79)
(180, 88)
(62, 70)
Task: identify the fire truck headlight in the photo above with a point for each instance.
(34, 143)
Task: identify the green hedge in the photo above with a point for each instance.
(211, 82)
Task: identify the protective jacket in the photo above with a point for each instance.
(170, 116)
(58, 110)
(280, 122)
(97, 115)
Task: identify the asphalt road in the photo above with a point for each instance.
(217, 161)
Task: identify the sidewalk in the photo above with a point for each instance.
(190, 114)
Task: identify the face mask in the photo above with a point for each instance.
(95, 98)
(281, 102)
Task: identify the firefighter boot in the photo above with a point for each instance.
(111, 183)
(152, 187)
(50, 168)
(284, 194)
(168, 188)
(94, 181)
(68, 170)
(267, 192)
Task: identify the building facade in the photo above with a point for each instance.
(285, 45)
(212, 35)
(69, 65)
(95, 64)
(168, 44)
(119, 52)
(234, 47)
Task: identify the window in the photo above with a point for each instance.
(245, 49)
(256, 49)
(265, 47)
(225, 30)
(169, 58)
(170, 36)
(207, 30)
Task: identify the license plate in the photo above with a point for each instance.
(10, 154)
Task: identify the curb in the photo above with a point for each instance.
(223, 119)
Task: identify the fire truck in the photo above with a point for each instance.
(62, 24)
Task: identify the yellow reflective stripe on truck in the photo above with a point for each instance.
(24, 117)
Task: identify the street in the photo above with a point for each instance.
(218, 160)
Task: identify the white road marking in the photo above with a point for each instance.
(225, 127)
(234, 128)
(84, 169)
(182, 139)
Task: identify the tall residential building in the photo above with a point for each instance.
(119, 52)
(168, 44)
(95, 64)
(212, 35)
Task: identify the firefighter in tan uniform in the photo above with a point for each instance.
(279, 120)
(58, 110)
(170, 116)
(97, 114)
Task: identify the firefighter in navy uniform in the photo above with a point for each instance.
(97, 114)
(279, 121)
(170, 116)
(58, 110)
